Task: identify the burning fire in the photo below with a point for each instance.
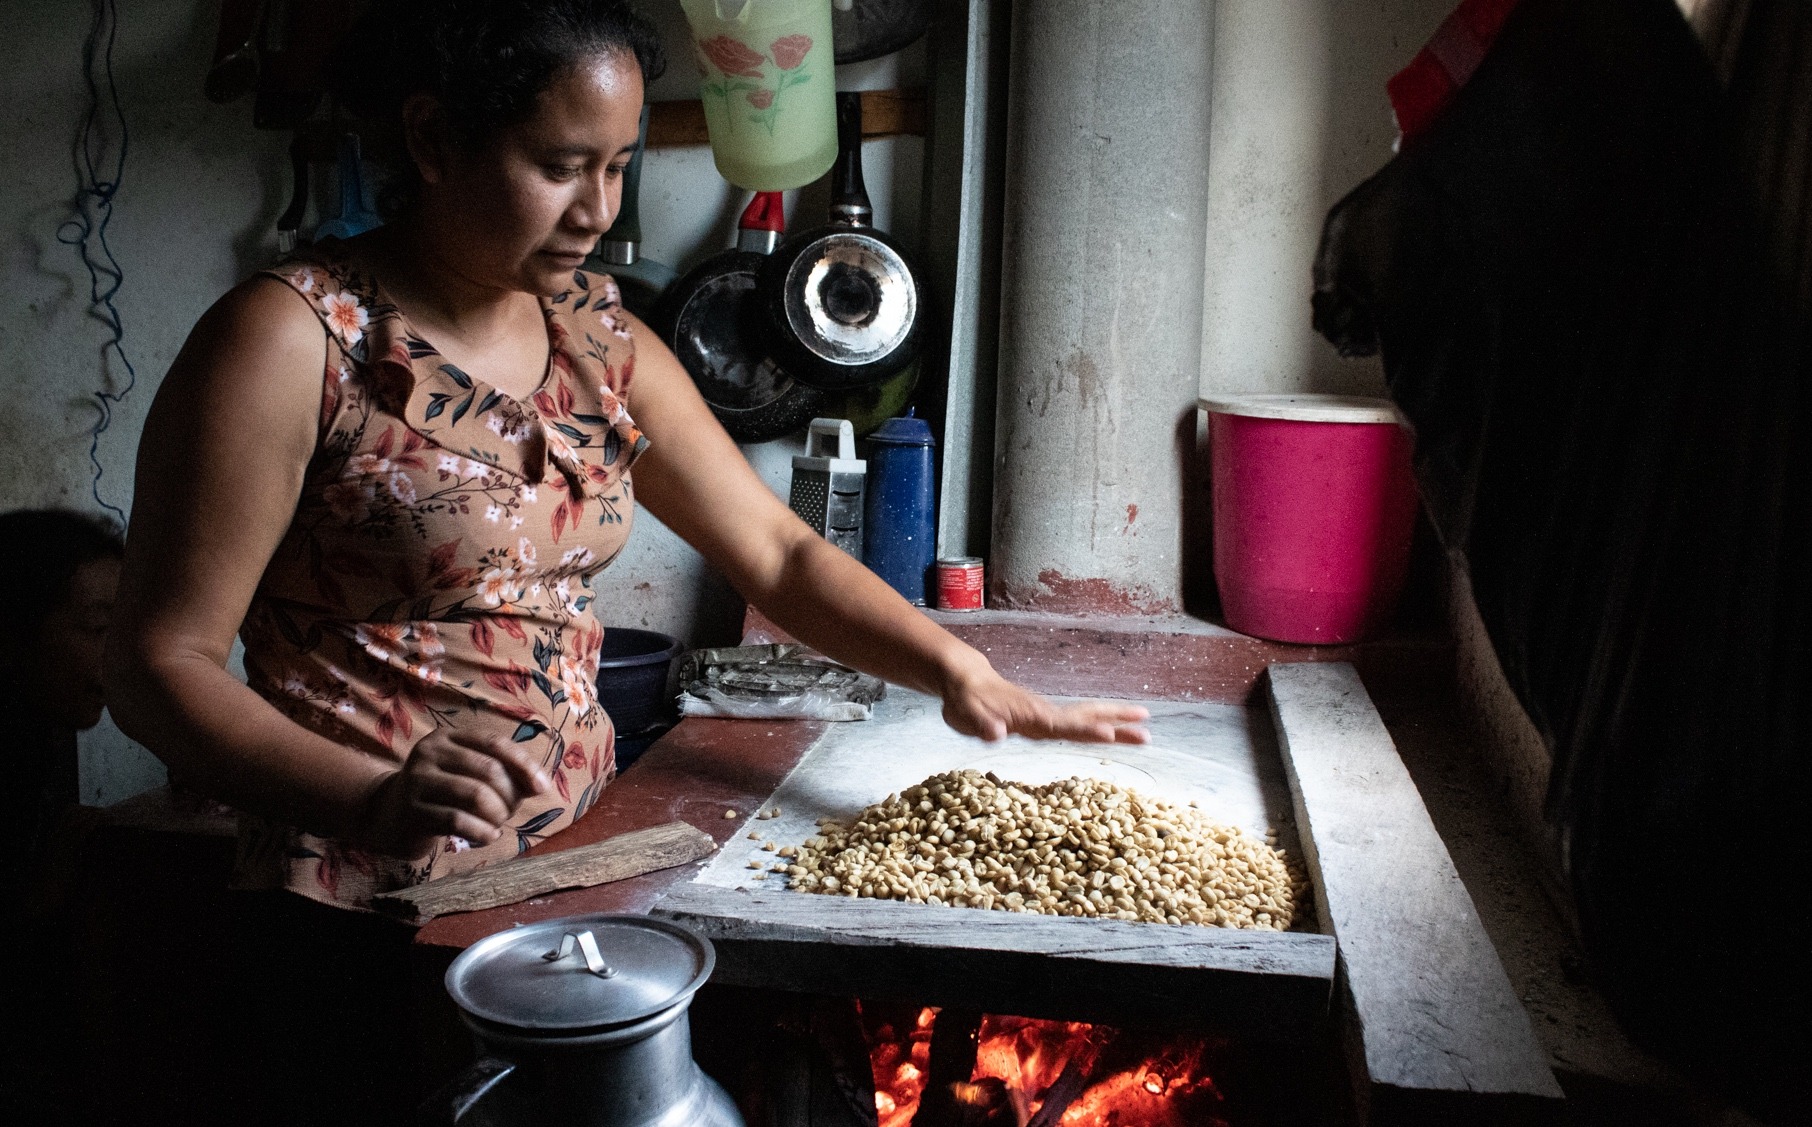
(1110, 1079)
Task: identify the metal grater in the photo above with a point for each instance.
(827, 490)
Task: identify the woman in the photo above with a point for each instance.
(399, 462)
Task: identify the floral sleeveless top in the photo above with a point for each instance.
(438, 570)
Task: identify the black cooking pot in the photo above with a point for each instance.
(845, 308)
(868, 29)
(712, 320)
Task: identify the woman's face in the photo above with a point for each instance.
(523, 212)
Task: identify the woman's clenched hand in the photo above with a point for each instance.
(452, 784)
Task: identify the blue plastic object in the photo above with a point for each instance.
(354, 217)
(900, 518)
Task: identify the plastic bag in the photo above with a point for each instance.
(776, 682)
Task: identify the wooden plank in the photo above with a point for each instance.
(1266, 985)
(613, 859)
(884, 114)
(1436, 1022)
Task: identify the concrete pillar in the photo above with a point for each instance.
(1300, 118)
(1101, 303)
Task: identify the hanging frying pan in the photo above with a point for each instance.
(868, 29)
(619, 252)
(712, 321)
(844, 307)
(289, 224)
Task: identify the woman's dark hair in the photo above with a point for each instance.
(43, 549)
(486, 61)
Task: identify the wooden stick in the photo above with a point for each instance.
(954, 1042)
(884, 113)
(511, 882)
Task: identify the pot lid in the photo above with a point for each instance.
(1307, 408)
(905, 430)
(849, 298)
(580, 972)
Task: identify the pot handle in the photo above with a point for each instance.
(450, 1105)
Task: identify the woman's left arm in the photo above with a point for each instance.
(695, 479)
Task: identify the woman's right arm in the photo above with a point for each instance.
(220, 469)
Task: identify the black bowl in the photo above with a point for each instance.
(633, 670)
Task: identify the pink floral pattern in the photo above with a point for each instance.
(439, 568)
(790, 50)
(741, 69)
(732, 56)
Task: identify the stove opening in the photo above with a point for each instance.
(954, 1068)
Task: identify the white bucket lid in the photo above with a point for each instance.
(1307, 408)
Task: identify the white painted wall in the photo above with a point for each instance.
(1300, 118)
(202, 190)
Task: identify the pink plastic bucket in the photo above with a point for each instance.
(1314, 507)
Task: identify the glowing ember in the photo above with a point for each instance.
(1123, 1079)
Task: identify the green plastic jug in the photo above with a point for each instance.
(769, 86)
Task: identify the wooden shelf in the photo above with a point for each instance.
(885, 113)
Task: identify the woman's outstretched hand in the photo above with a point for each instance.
(980, 702)
(451, 784)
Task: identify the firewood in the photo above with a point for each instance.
(511, 882)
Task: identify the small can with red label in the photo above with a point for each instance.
(959, 583)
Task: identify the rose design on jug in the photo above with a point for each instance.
(790, 50)
(735, 62)
(733, 57)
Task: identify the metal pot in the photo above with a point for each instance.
(845, 307)
(868, 29)
(712, 321)
(582, 1022)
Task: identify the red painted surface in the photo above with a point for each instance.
(693, 774)
(1056, 593)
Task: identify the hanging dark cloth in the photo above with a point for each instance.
(1577, 279)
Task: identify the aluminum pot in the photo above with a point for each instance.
(845, 307)
(582, 1021)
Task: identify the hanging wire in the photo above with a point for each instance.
(87, 231)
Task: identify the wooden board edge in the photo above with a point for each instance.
(1524, 1053)
(864, 948)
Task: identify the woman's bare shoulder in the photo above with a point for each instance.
(260, 336)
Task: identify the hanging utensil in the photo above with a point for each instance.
(289, 224)
(868, 29)
(354, 217)
(619, 252)
(712, 320)
(286, 98)
(844, 306)
(235, 70)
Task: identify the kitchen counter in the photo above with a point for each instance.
(705, 767)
